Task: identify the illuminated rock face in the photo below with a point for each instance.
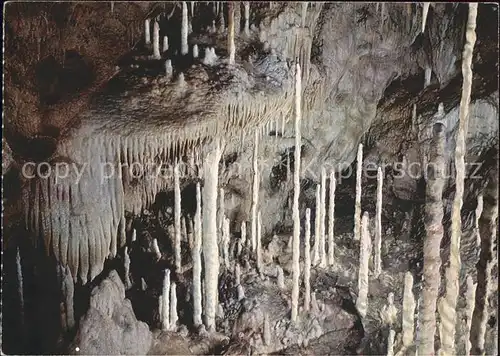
(357, 63)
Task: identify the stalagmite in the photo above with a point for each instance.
(304, 13)
(296, 193)
(68, 289)
(184, 229)
(317, 231)
(389, 313)
(181, 82)
(184, 30)
(126, 265)
(173, 306)
(144, 286)
(424, 14)
(488, 226)
(255, 189)
(408, 311)
(267, 331)
(280, 277)
(210, 246)
(357, 206)
(246, 17)
(448, 305)
(479, 211)
(378, 226)
(307, 261)
(165, 43)
(221, 216)
(20, 284)
(156, 249)
(243, 233)
(177, 219)
(364, 255)
(237, 273)
(427, 76)
(240, 291)
(134, 235)
(322, 206)
(196, 53)
(168, 68)
(432, 241)
(259, 243)
(331, 219)
(470, 297)
(390, 343)
(230, 39)
(156, 40)
(196, 255)
(147, 33)
(165, 299)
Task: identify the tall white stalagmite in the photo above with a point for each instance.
(255, 189)
(196, 255)
(177, 218)
(448, 305)
(424, 14)
(432, 241)
(296, 194)
(147, 33)
(184, 30)
(408, 311)
(470, 298)
(165, 300)
(68, 289)
(259, 243)
(230, 36)
(317, 231)
(156, 40)
(378, 226)
(322, 205)
(331, 220)
(364, 256)
(307, 261)
(246, 17)
(173, 306)
(357, 204)
(210, 246)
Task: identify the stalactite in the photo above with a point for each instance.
(259, 243)
(331, 220)
(226, 241)
(280, 278)
(156, 40)
(177, 219)
(192, 8)
(134, 236)
(237, 17)
(165, 43)
(378, 225)
(222, 20)
(424, 14)
(307, 261)
(126, 265)
(156, 249)
(304, 13)
(196, 255)
(184, 30)
(221, 215)
(237, 273)
(147, 33)
(432, 241)
(479, 211)
(488, 226)
(165, 299)
(296, 193)
(317, 230)
(243, 237)
(469, 309)
(255, 190)
(230, 40)
(449, 303)
(246, 29)
(322, 222)
(408, 311)
(364, 255)
(210, 246)
(144, 286)
(357, 206)
(173, 306)
(196, 53)
(427, 76)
